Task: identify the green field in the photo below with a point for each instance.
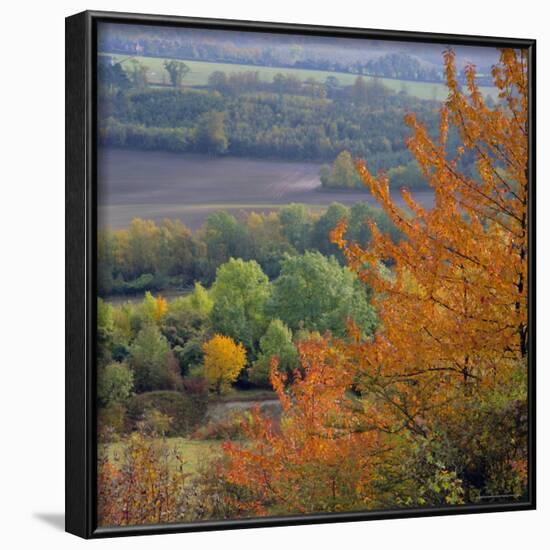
(201, 70)
(193, 452)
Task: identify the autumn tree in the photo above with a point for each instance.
(149, 311)
(454, 310)
(322, 457)
(342, 173)
(439, 393)
(210, 133)
(223, 361)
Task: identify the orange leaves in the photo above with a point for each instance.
(454, 310)
(320, 456)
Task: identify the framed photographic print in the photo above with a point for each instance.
(300, 274)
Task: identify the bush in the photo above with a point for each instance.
(186, 411)
(407, 175)
(277, 344)
(115, 382)
(231, 428)
(196, 385)
(110, 422)
(153, 364)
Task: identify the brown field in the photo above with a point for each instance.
(157, 185)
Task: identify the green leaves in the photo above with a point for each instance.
(240, 292)
(317, 294)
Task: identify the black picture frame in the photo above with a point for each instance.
(81, 224)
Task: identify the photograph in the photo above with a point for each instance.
(312, 274)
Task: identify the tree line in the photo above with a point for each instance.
(284, 55)
(242, 115)
(149, 256)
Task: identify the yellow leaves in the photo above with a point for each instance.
(223, 361)
(161, 308)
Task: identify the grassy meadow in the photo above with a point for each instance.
(201, 70)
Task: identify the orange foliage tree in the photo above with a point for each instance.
(320, 456)
(442, 384)
(454, 309)
(455, 305)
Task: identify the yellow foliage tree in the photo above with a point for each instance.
(223, 361)
(161, 308)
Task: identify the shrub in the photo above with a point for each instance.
(115, 382)
(277, 344)
(186, 411)
(196, 385)
(228, 428)
(152, 362)
(110, 422)
(142, 487)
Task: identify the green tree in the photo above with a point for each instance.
(105, 326)
(407, 175)
(210, 133)
(110, 75)
(138, 74)
(177, 71)
(359, 91)
(342, 173)
(240, 292)
(361, 214)
(200, 300)
(275, 343)
(153, 365)
(176, 251)
(106, 250)
(138, 248)
(296, 225)
(320, 238)
(115, 383)
(218, 81)
(224, 237)
(315, 293)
